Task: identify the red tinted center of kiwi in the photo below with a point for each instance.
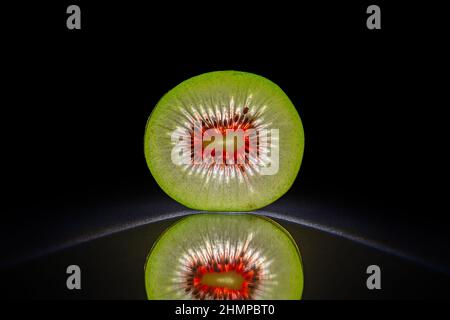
(236, 122)
(223, 280)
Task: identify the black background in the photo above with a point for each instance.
(75, 103)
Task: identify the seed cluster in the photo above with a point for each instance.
(220, 256)
(245, 162)
(220, 128)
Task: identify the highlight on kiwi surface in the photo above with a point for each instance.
(224, 256)
(224, 141)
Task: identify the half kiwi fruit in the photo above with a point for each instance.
(224, 141)
(224, 256)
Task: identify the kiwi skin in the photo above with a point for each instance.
(294, 163)
(267, 219)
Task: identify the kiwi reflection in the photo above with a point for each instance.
(224, 256)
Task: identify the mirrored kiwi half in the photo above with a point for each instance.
(224, 256)
(250, 169)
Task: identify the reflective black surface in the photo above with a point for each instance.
(112, 267)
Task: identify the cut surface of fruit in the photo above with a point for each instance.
(224, 256)
(224, 141)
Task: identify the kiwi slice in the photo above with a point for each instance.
(224, 256)
(224, 141)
